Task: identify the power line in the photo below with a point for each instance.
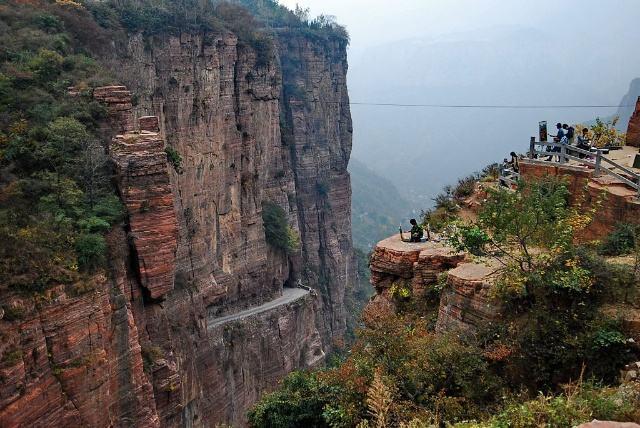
(479, 106)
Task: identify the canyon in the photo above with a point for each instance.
(198, 315)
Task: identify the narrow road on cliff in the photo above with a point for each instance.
(288, 295)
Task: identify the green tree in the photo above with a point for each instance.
(277, 231)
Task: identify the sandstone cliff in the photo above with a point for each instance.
(465, 303)
(633, 128)
(190, 325)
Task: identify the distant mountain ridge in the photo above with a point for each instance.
(377, 206)
(421, 149)
(627, 105)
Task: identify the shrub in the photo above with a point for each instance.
(621, 241)
(11, 357)
(470, 238)
(277, 231)
(580, 403)
(465, 187)
(90, 249)
(174, 158)
(299, 402)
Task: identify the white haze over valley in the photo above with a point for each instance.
(478, 52)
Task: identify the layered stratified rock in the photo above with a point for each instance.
(118, 101)
(146, 347)
(633, 129)
(230, 120)
(615, 202)
(143, 181)
(416, 265)
(315, 103)
(466, 303)
(74, 359)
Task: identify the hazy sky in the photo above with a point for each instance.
(373, 22)
(513, 52)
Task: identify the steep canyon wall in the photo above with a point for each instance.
(143, 344)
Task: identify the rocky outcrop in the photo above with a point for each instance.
(117, 99)
(414, 265)
(466, 303)
(614, 201)
(633, 129)
(143, 182)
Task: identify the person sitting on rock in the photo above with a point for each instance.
(416, 232)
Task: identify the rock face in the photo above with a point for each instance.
(466, 303)
(633, 129)
(416, 265)
(609, 424)
(143, 181)
(143, 346)
(78, 361)
(615, 202)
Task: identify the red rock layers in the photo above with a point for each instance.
(616, 202)
(74, 359)
(117, 99)
(466, 303)
(143, 181)
(633, 128)
(416, 265)
(145, 348)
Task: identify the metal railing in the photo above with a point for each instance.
(566, 152)
(508, 176)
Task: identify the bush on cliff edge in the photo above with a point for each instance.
(277, 231)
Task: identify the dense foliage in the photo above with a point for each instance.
(277, 231)
(521, 371)
(56, 199)
(623, 240)
(250, 20)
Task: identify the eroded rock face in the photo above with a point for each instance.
(318, 135)
(76, 357)
(466, 303)
(633, 129)
(140, 349)
(143, 181)
(414, 264)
